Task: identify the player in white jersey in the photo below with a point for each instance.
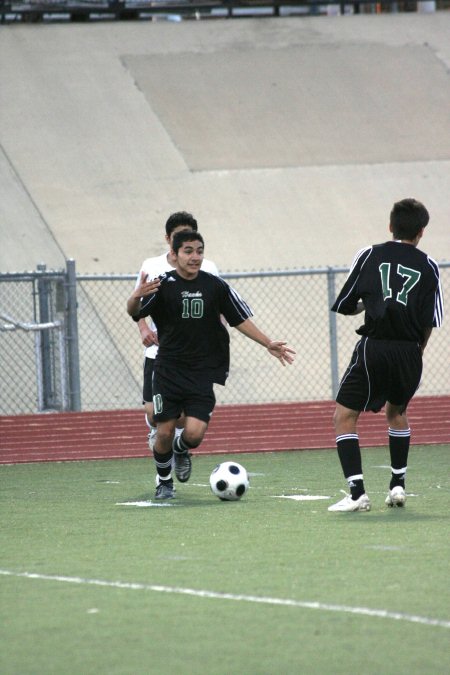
(153, 267)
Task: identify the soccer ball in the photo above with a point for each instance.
(229, 481)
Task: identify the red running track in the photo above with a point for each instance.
(233, 429)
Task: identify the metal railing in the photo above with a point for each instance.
(44, 375)
(73, 10)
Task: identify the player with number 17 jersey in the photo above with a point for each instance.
(400, 288)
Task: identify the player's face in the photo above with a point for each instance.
(189, 259)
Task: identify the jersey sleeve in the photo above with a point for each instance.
(348, 297)
(438, 300)
(232, 306)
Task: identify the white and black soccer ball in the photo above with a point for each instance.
(229, 481)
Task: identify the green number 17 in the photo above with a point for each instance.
(411, 278)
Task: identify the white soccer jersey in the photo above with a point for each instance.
(153, 267)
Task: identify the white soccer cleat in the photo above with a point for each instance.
(348, 504)
(396, 496)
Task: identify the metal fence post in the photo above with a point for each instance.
(72, 337)
(331, 278)
(47, 398)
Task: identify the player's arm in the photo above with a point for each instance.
(348, 300)
(148, 336)
(143, 289)
(277, 348)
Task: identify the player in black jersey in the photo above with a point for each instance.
(187, 305)
(398, 287)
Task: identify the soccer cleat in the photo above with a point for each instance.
(152, 438)
(182, 465)
(165, 490)
(169, 477)
(396, 496)
(348, 504)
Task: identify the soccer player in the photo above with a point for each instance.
(398, 287)
(153, 267)
(187, 305)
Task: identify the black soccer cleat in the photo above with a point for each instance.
(165, 490)
(183, 465)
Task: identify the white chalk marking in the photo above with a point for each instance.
(285, 602)
(142, 504)
(382, 547)
(301, 498)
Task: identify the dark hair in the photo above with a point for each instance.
(179, 238)
(408, 218)
(180, 218)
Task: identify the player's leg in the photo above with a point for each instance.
(349, 453)
(163, 457)
(191, 437)
(198, 406)
(167, 403)
(350, 400)
(147, 399)
(405, 371)
(399, 440)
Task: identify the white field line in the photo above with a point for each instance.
(285, 602)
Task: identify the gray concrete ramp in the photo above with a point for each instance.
(289, 139)
(303, 105)
(291, 136)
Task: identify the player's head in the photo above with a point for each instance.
(184, 236)
(180, 219)
(408, 218)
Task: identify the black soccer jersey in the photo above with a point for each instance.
(400, 288)
(187, 314)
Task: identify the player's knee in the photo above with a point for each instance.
(192, 438)
(165, 436)
(345, 419)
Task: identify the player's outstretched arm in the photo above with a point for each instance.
(143, 289)
(277, 348)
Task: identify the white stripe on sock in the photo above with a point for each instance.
(399, 432)
(347, 437)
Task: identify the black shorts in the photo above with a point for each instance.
(380, 371)
(147, 390)
(175, 391)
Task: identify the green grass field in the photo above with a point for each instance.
(267, 585)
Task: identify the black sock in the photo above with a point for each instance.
(179, 444)
(163, 464)
(350, 457)
(399, 448)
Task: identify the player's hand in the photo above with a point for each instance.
(146, 287)
(149, 337)
(281, 351)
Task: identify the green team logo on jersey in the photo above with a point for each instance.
(411, 277)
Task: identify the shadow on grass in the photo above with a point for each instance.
(392, 516)
(182, 500)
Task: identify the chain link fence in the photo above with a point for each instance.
(88, 355)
